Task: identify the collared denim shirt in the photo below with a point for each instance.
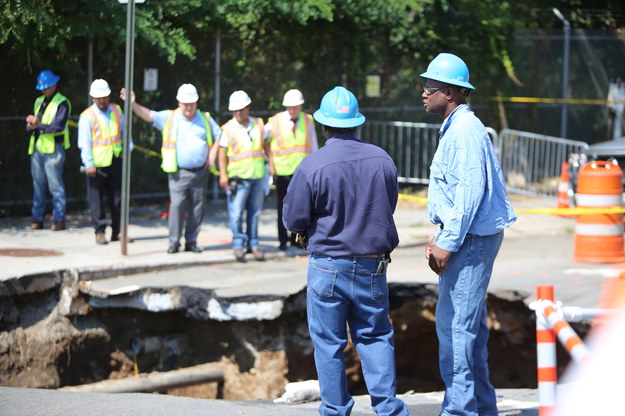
(467, 192)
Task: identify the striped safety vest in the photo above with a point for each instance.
(106, 137)
(46, 141)
(246, 156)
(288, 149)
(170, 137)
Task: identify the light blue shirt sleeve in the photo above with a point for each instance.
(84, 141)
(159, 118)
(467, 191)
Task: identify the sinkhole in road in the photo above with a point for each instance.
(51, 339)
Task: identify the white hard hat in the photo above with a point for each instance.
(187, 94)
(99, 89)
(293, 98)
(238, 100)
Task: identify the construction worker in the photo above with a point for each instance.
(100, 139)
(49, 140)
(242, 151)
(188, 135)
(293, 137)
(343, 198)
(467, 200)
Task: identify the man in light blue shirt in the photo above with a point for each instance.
(100, 140)
(467, 199)
(188, 136)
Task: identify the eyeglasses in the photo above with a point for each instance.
(431, 90)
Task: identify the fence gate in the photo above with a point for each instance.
(532, 163)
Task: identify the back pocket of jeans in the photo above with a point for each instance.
(321, 281)
(379, 288)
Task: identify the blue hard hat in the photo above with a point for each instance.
(339, 108)
(450, 69)
(46, 79)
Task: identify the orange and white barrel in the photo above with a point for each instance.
(599, 237)
(546, 357)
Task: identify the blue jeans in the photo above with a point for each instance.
(249, 196)
(48, 169)
(462, 330)
(346, 290)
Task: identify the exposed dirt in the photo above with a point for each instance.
(28, 252)
(45, 344)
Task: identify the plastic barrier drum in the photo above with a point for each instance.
(599, 237)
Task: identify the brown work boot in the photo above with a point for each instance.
(36, 225)
(258, 254)
(100, 238)
(58, 226)
(239, 254)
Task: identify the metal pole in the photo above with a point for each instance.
(217, 71)
(215, 184)
(89, 70)
(565, 72)
(130, 25)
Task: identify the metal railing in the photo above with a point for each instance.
(411, 145)
(532, 163)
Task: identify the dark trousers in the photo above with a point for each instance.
(111, 186)
(282, 184)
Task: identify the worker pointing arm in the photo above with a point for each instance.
(142, 112)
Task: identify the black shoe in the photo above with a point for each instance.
(283, 247)
(173, 249)
(192, 247)
(118, 237)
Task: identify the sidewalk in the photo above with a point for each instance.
(25, 252)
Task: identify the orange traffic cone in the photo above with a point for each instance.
(563, 187)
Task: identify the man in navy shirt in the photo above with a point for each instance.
(342, 198)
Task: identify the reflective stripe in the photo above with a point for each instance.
(547, 393)
(106, 139)
(546, 355)
(586, 200)
(599, 229)
(170, 137)
(46, 141)
(289, 149)
(245, 153)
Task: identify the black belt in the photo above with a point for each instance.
(193, 169)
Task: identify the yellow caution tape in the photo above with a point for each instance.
(413, 198)
(556, 100)
(571, 211)
(149, 152)
(545, 211)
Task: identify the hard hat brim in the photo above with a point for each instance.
(440, 78)
(342, 123)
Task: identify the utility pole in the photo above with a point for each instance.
(565, 72)
(130, 56)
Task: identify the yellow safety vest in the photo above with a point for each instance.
(46, 141)
(106, 137)
(288, 149)
(246, 156)
(170, 136)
